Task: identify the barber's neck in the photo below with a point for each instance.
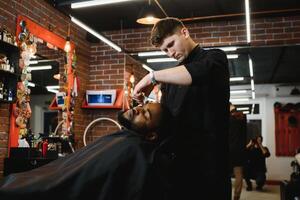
(191, 45)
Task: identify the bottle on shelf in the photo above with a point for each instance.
(1, 33)
(45, 148)
(1, 90)
(4, 35)
(5, 94)
(10, 95)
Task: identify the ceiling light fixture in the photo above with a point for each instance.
(44, 67)
(151, 53)
(95, 3)
(30, 84)
(32, 62)
(99, 36)
(232, 56)
(52, 87)
(156, 60)
(147, 15)
(252, 109)
(240, 99)
(253, 94)
(238, 92)
(146, 67)
(252, 88)
(242, 108)
(236, 79)
(230, 48)
(246, 112)
(247, 9)
(250, 67)
(252, 85)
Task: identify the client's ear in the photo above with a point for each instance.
(152, 136)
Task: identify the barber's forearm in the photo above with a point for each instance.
(176, 75)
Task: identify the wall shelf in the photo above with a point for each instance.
(53, 105)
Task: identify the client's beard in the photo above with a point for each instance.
(124, 121)
(129, 125)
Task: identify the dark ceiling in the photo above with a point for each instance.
(123, 15)
(271, 64)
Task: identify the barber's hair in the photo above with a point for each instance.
(164, 28)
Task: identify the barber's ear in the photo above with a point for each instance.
(185, 32)
(151, 136)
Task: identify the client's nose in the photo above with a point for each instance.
(137, 110)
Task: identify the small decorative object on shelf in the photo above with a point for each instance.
(7, 37)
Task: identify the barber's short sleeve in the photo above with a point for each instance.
(215, 61)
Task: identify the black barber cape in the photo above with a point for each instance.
(114, 167)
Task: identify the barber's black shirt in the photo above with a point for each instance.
(201, 110)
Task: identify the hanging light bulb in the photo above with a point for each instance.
(67, 47)
(131, 79)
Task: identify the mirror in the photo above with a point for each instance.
(43, 88)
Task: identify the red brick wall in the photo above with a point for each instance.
(276, 30)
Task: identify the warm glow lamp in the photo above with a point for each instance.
(67, 47)
(147, 16)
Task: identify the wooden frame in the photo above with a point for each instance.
(54, 39)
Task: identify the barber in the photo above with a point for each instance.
(196, 92)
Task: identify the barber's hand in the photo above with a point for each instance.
(138, 94)
(139, 98)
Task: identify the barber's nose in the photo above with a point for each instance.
(171, 53)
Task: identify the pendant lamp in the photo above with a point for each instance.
(148, 15)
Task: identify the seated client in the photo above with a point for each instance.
(116, 166)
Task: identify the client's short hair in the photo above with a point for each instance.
(164, 122)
